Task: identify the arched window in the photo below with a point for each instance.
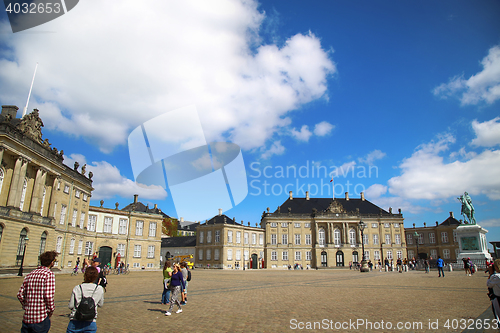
(321, 236)
(336, 236)
(352, 237)
(20, 246)
(43, 241)
(23, 194)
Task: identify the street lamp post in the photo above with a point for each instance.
(20, 273)
(417, 238)
(364, 265)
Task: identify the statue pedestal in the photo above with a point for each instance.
(472, 242)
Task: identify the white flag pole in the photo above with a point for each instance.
(29, 94)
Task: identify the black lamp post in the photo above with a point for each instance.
(417, 239)
(364, 265)
(20, 273)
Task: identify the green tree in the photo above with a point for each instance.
(169, 227)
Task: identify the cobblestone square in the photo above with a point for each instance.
(272, 301)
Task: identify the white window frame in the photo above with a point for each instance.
(229, 254)
(139, 227)
(137, 250)
(432, 238)
(321, 236)
(209, 254)
(59, 244)
(80, 247)
(200, 239)
(23, 194)
(217, 237)
(273, 224)
(284, 224)
(216, 254)
(261, 239)
(72, 246)
(274, 239)
(297, 225)
(82, 219)
(365, 239)
(284, 255)
(209, 237)
(274, 256)
(352, 236)
(151, 251)
(152, 229)
(73, 219)
(374, 225)
(389, 255)
(444, 237)
(446, 254)
(284, 239)
(387, 239)
(336, 237)
(375, 239)
(120, 249)
(298, 255)
(230, 236)
(409, 239)
(92, 220)
(238, 255)
(399, 254)
(254, 238)
(245, 238)
(63, 214)
(376, 255)
(308, 239)
(297, 239)
(108, 224)
(308, 255)
(238, 237)
(89, 248)
(200, 254)
(122, 226)
(398, 238)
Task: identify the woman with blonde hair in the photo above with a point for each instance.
(176, 283)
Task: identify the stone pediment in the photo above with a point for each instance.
(335, 207)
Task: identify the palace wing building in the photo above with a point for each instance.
(324, 232)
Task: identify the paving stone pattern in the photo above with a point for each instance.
(271, 301)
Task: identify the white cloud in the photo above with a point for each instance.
(303, 135)
(323, 128)
(425, 175)
(176, 53)
(372, 157)
(375, 191)
(276, 149)
(488, 133)
(483, 86)
(108, 181)
(495, 222)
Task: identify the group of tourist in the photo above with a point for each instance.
(37, 297)
(176, 278)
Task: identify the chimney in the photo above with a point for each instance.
(135, 198)
(390, 210)
(9, 110)
(451, 215)
(362, 196)
(156, 206)
(437, 223)
(291, 196)
(220, 211)
(347, 196)
(182, 219)
(425, 224)
(413, 225)
(307, 195)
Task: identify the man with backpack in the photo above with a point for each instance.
(83, 303)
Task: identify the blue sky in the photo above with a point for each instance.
(407, 90)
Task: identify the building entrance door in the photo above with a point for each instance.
(340, 259)
(324, 259)
(255, 261)
(105, 255)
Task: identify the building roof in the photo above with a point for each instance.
(140, 207)
(184, 241)
(306, 206)
(221, 219)
(186, 225)
(450, 221)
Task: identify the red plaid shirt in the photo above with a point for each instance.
(37, 295)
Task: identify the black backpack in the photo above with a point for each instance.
(189, 276)
(86, 309)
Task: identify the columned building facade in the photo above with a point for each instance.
(325, 232)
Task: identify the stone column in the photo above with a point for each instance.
(35, 195)
(345, 237)
(1, 154)
(42, 187)
(52, 200)
(22, 175)
(14, 184)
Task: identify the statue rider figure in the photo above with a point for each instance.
(467, 208)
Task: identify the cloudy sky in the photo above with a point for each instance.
(396, 99)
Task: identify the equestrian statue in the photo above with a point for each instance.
(467, 208)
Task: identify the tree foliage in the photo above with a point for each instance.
(169, 227)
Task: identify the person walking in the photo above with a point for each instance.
(426, 265)
(167, 274)
(176, 283)
(87, 289)
(37, 295)
(184, 271)
(440, 265)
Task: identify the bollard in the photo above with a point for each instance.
(450, 268)
(386, 268)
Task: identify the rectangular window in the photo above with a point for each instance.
(446, 254)
(434, 254)
(122, 230)
(365, 239)
(376, 255)
(82, 219)
(273, 224)
(273, 239)
(396, 225)
(209, 254)
(238, 237)
(444, 237)
(151, 251)
(261, 239)
(421, 238)
(85, 196)
(398, 238)
(284, 255)
(399, 254)
(284, 239)
(308, 255)
(136, 265)
(201, 237)
(230, 236)
(80, 247)
(217, 237)
(297, 239)
(108, 224)
(308, 239)
(63, 214)
(92, 222)
(389, 255)
(120, 249)
(254, 238)
(200, 254)
(432, 238)
(375, 239)
(229, 254)
(411, 254)
(298, 255)
(139, 226)
(409, 239)
(374, 225)
(245, 238)
(387, 239)
(152, 229)
(246, 255)
(209, 237)
(89, 248)
(77, 193)
(284, 224)
(150, 265)
(455, 237)
(274, 256)
(307, 225)
(367, 255)
(137, 251)
(387, 225)
(238, 255)
(66, 189)
(297, 225)
(73, 219)
(72, 246)
(216, 254)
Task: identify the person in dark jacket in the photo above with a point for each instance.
(176, 286)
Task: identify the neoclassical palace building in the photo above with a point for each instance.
(44, 205)
(324, 232)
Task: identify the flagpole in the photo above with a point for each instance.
(29, 94)
(333, 188)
